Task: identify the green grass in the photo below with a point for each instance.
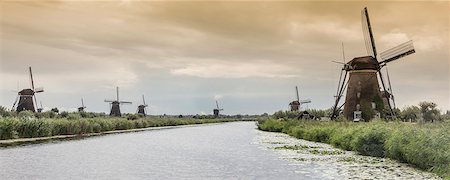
(13, 128)
(425, 146)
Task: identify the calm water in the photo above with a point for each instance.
(219, 151)
(223, 151)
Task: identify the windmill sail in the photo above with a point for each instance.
(368, 35)
(397, 52)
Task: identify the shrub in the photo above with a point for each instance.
(26, 115)
(64, 114)
(272, 125)
(370, 141)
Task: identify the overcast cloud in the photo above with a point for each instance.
(184, 55)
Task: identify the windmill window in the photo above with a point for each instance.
(357, 115)
(378, 115)
(357, 107)
(358, 94)
(374, 106)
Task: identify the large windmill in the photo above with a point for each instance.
(142, 108)
(82, 107)
(27, 96)
(364, 99)
(115, 104)
(296, 105)
(217, 110)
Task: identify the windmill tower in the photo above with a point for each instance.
(364, 99)
(217, 110)
(142, 108)
(115, 104)
(82, 107)
(296, 105)
(27, 96)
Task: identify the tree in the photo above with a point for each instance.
(411, 113)
(55, 110)
(429, 111)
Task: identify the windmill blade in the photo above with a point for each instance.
(217, 104)
(40, 102)
(390, 88)
(35, 102)
(296, 90)
(305, 101)
(384, 88)
(339, 62)
(338, 97)
(143, 99)
(339, 83)
(117, 93)
(125, 102)
(31, 78)
(109, 100)
(15, 102)
(82, 103)
(397, 52)
(38, 90)
(368, 35)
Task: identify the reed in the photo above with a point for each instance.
(26, 127)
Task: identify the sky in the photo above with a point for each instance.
(185, 55)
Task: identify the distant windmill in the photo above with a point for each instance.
(217, 110)
(296, 105)
(142, 108)
(27, 96)
(363, 90)
(115, 104)
(82, 107)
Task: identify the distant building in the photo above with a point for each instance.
(448, 112)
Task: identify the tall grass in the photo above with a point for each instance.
(13, 128)
(426, 146)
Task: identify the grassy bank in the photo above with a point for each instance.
(14, 128)
(426, 146)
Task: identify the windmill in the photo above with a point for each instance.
(27, 96)
(115, 104)
(142, 108)
(296, 105)
(364, 99)
(82, 107)
(217, 110)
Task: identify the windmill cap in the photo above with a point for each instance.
(26, 92)
(294, 103)
(364, 63)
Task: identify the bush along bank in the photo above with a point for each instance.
(425, 146)
(15, 128)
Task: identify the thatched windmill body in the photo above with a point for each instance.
(364, 99)
(82, 107)
(142, 108)
(217, 110)
(115, 104)
(26, 97)
(296, 105)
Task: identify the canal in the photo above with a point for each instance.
(215, 151)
